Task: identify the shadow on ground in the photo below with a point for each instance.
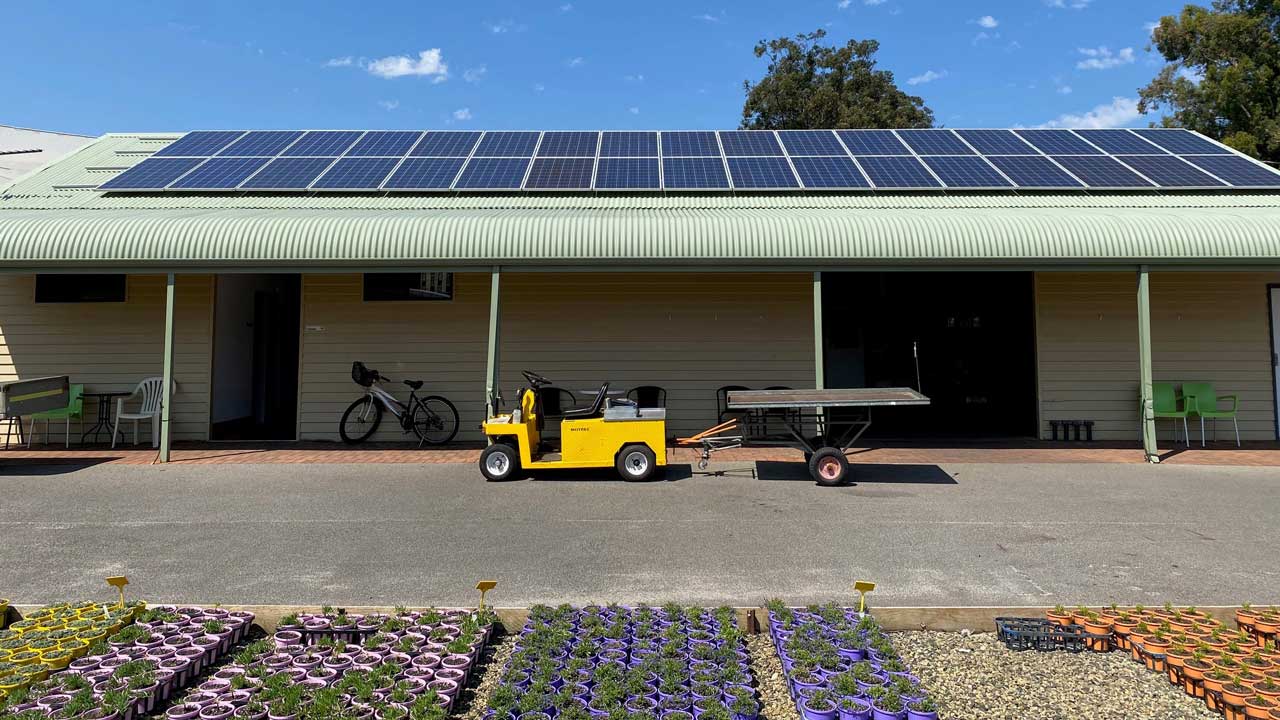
(860, 473)
(44, 468)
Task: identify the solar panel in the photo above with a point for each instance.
(201, 143)
(1182, 142)
(446, 144)
(966, 172)
(429, 173)
(1241, 172)
(897, 172)
(693, 173)
(811, 142)
(493, 174)
(690, 144)
(384, 143)
(1101, 171)
(996, 142)
(872, 142)
(1119, 142)
(749, 143)
(561, 174)
(1169, 171)
(261, 143)
(569, 144)
(629, 144)
(628, 174)
(934, 142)
(323, 143)
(1034, 171)
(1058, 142)
(762, 173)
(288, 173)
(219, 174)
(356, 173)
(507, 144)
(829, 172)
(151, 174)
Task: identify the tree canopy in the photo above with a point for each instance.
(811, 85)
(1222, 76)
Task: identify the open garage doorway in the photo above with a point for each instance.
(255, 357)
(973, 335)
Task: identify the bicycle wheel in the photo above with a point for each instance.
(360, 421)
(435, 420)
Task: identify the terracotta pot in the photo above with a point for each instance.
(1100, 626)
(1063, 618)
(1246, 617)
(1175, 659)
(1211, 688)
(1136, 641)
(1235, 695)
(1192, 674)
(1154, 657)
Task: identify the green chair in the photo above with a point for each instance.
(1166, 401)
(73, 411)
(1203, 402)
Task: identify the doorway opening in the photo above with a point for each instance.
(255, 357)
(966, 340)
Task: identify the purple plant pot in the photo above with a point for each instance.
(185, 711)
(428, 660)
(920, 715)
(284, 638)
(810, 713)
(860, 711)
(878, 714)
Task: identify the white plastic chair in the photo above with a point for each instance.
(150, 391)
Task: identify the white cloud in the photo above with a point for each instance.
(844, 4)
(708, 17)
(462, 114)
(539, 87)
(503, 26)
(1064, 90)
(346, 61)
(983, 36)
(1073, 4)
(388, 105)
(575, 62)
(1102, 58)
(1121, 111)
(927, 76)
(873, 3)
(566, 7)
(638, 77)
(429, 63)
(633, 110)
(475, 74)
(987, 21)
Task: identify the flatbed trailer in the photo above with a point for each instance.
(808, 427)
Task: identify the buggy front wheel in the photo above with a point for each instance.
(360, 421)
(435, 420)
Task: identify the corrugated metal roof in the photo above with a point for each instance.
(54, 218)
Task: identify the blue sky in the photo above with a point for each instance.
(99, 67)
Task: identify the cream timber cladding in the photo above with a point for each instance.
(687, 332)
(111, 346)
(1210, 327)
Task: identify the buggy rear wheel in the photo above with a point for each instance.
(635, 462)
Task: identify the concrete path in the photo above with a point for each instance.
(962, 534)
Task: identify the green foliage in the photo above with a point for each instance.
(1222, 76)
(811, 85)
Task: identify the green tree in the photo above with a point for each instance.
(1222, 76)
(811, 85)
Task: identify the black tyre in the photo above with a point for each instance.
(435, 420)
(635, 462)
(829, 466)
(499, 462)
(360, 421)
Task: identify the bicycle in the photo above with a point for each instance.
(432, 418)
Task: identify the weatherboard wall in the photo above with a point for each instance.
(1210, 327)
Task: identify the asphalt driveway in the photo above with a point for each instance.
(963, 534)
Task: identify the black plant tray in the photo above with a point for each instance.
(1040, 634)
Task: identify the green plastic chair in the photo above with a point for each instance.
(1166, 401)
(1203, 402)
(73, 411)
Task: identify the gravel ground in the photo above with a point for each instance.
(775, 698)
(975, 677)
(475, 700)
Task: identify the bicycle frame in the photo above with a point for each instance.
(389, 401)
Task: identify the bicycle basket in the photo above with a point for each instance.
(361, 375)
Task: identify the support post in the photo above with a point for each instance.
(166, 393)
(1148, 417)
(492, 393)
(819, 359)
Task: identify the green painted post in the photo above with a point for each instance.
(166, 394)
(491, 391)
(818, 354)
(1148, 417)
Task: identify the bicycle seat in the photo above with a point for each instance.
(414, 384)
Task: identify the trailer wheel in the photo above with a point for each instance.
(829, 466)
(499, 462)
(635, 462)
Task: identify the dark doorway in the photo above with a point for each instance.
(972, 333)
(255, 357)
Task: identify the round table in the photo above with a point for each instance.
(104, 399)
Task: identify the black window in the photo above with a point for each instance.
(80, 288)
(408, 286)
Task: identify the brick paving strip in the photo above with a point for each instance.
(1253, 454)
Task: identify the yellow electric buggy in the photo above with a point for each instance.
(610, 432)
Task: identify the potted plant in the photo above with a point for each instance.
(820, 705)
(1059, 615)
(1259, 707)
(922, 709)
(853, 708)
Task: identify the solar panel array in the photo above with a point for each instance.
(711, 161)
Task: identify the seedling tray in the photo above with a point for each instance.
(1024, 633)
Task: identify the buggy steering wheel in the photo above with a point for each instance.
(535, 379)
